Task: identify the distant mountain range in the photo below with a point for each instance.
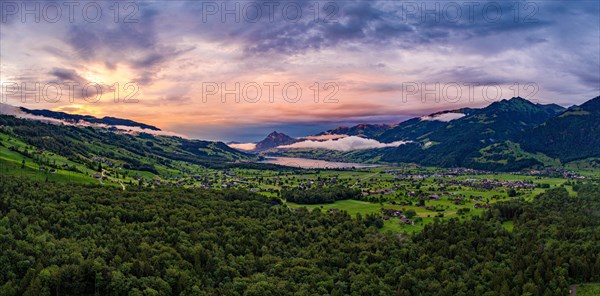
(75, 118)
(272, 140)
(506, 135)
(461, 142)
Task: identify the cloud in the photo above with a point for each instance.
(371, 24)
(445, 117)
(17, 112)
(64, 75)
(243, 146)
(344, 144)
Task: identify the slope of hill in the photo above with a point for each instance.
(85, 151)
(459, 142)
(412, 130)
(572, 135)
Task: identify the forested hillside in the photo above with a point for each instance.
(361, 130)
(86, 240)
(507, 135)
(141, 152)
(573, 135)
(458, 142)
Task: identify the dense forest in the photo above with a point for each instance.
(556, 138)
(320, 195)
(92, 240)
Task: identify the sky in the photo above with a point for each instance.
(237, 70)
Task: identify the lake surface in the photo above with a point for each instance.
(307, 163)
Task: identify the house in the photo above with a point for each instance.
(391, 212)
(406, 221)
(434, 197)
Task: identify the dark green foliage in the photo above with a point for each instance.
(573, 135)
(86, 240)
(361, 130)
(410, 213)
(463, 211)
(412, 129)
(320, 195)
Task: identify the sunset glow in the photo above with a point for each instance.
(374, 55)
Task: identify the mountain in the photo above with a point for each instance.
(418, 128)
(273, 140)
(485, 138)
(572, 135)
(459, 142)
(360, 130)
(75, 118)
(80, 152)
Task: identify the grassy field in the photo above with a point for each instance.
(445, 207)
(588, 289)
(44, 165)
(354, 207)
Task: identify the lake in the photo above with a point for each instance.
(307, 163)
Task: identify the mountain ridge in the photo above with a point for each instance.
(74, 118)
(574, 134)
(274, 139)
(506, 135)
(491, 138)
